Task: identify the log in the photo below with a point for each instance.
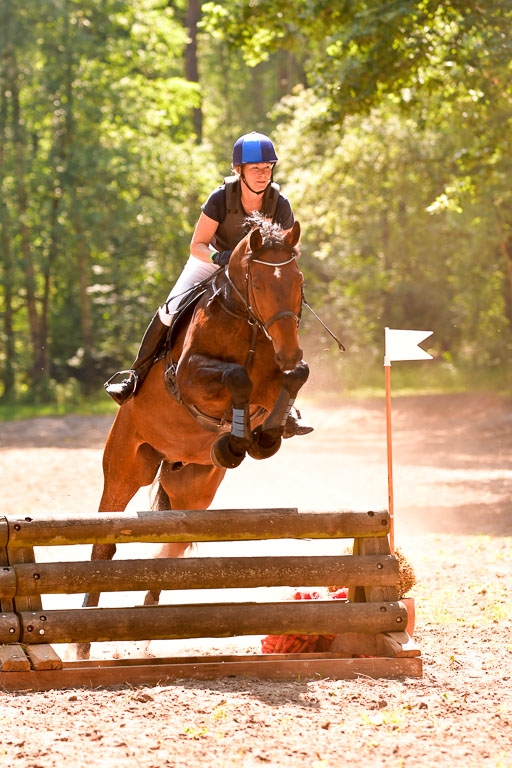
(9, 628)
(193, 525)
(210, 620)
(197, 573)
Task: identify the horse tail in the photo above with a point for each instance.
(159, 498)
(160, 501)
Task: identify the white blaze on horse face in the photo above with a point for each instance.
(277, 272)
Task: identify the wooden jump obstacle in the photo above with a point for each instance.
(371, 622)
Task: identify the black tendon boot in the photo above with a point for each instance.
(121, 391)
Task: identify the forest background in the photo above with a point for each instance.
(392, 122)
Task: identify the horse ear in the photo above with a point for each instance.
(256, 240)
(293, 236)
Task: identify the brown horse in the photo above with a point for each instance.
(238, 373)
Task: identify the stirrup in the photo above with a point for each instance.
(128, 375)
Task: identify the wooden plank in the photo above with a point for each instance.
(10, 629)
(133, 661)
(13, 659)
(391, 644)
(199, 573)
(209, 620)
(153, 674)
(43, 657)
(193, 525)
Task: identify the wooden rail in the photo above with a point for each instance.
(173, 622)
(195, 573)
(191, 525)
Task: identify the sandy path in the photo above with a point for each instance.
(453, 483)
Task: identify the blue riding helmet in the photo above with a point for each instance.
(253, 148)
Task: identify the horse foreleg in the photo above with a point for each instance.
(204, 376)
(266, 439)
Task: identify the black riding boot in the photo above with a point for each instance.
(295, 425)
(122, 391)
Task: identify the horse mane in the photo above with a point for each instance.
(272, 233)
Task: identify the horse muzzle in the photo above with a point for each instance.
(288, 360)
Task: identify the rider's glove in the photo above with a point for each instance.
(220, 257)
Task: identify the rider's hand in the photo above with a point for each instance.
(221, 257)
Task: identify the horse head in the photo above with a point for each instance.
(268, 278)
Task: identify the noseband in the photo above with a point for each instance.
(254, 315)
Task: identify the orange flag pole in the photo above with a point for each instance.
(387, 369)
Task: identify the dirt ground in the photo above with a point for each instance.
(453, 484)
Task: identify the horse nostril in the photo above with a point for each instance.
(289, 362)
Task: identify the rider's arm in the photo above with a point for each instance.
(202, 237)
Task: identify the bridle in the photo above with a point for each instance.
(249, 300)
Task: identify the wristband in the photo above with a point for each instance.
(212, 254)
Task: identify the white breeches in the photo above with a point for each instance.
(194, 271)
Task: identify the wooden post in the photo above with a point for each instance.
(44, 655)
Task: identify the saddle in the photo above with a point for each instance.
(182, 318)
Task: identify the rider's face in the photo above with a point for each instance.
(258, 174)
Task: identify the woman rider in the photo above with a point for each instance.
(219, 229)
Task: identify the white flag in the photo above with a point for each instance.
(403, 345)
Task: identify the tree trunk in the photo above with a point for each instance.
(506, 250)
(82, 258)
(8, 377)
(387, 263)
(191, 66)
(258, 91)
(505, 245)
(37, 323)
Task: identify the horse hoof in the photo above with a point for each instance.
(83, 651)
(222, 454)
(264, 444)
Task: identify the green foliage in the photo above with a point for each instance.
(392, 124)
(99, 177)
